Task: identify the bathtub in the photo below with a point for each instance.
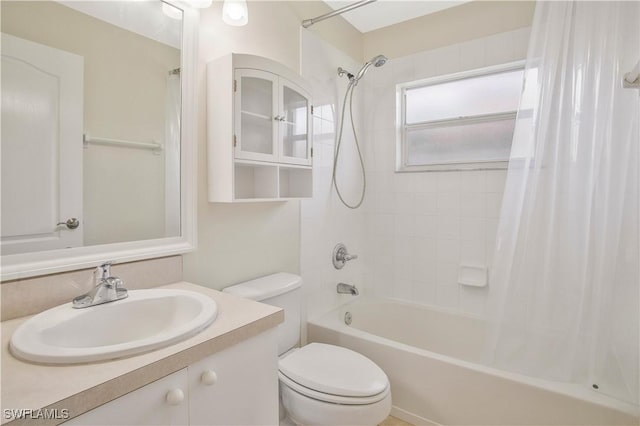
(436, 378)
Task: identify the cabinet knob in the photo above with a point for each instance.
(175, 397)
(209, 377)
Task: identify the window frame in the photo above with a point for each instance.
(402, 127)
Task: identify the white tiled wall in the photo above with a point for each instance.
(420, 227)
(324, 220)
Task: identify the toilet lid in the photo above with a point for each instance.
(334, 370)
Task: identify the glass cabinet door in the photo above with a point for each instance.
(295, 140)
(256, 115)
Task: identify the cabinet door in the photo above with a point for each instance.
(256, 115)
(150, 405)
(295, 128)
(237, 386)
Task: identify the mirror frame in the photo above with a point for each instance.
(26, 265)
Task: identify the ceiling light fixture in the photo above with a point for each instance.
(200, 4)
(235, 12)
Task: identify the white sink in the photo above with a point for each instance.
(146, 320)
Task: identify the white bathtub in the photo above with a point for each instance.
(431, 359)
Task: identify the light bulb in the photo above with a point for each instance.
(234, 12)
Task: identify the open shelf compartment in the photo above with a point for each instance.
(255, 181)
(295, 182)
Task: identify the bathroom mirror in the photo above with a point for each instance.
(97, 133)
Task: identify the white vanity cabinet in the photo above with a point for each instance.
(163, 402)
(236, 386)
(259, 131)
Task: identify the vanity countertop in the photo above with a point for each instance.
(82, 387)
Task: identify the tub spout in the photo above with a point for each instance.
(347, 289)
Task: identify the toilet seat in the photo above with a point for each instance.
(332, 399)
(333, 374)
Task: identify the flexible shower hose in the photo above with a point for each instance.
(349, 94)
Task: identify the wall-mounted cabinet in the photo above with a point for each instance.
(258, 131)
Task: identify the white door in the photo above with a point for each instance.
(41, 146)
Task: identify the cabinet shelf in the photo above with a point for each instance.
(246, 97)
(255, 114)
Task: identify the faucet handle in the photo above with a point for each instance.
(341, 256)
(103, 271)
(347, 257)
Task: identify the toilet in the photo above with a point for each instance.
(320, 384)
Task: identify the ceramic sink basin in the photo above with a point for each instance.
(146, 320)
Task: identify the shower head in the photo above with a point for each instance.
(379, 61)
(376, 61)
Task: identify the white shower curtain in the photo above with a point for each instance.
(565, 276)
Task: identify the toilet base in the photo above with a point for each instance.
(303, 410)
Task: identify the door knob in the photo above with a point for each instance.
(72, 223)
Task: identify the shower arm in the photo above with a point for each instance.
(309, 22)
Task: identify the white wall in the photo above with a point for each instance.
(422, 226)
(241, 241)
(467, 22)
(325, 222)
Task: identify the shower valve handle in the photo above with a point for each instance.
(341, 256)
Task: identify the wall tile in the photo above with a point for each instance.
(473, 252)
(425, 65)
(426, 226)
(448, 251)
(472, 55)
(403, 289)
(473, 300)
(418, 227)
(495, 181)
(448, 204)
(472, 229)
(424, 292)
(426, 203)
(447, 296)
(447, 273)
(402, 69)
(473, 205)
(405, 224)
(325, 220)
(493, 204)
(448, 59)
(448, 227)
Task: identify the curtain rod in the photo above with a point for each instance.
(309, 22)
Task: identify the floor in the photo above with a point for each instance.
(393, 421)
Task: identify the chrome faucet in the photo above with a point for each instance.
(106, 289)
(341, 256)
(347, 289)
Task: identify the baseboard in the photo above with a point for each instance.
(411, 418)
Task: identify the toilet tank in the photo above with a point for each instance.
(283, 290)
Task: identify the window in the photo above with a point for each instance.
(460, 121)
